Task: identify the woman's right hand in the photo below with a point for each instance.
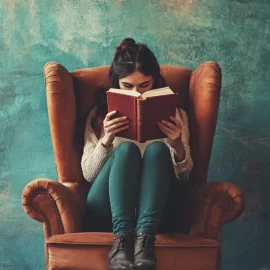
(111, 127)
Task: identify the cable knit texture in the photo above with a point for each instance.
(95, 155)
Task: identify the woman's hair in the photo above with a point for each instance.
(128, 58)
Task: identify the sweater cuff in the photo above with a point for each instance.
(102, 150)
(181, 164)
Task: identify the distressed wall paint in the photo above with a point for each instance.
(234, 33)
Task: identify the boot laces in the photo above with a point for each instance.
(123, 240)
(147, 242)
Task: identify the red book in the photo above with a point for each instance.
(143, 110)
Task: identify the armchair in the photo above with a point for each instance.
(203, 208)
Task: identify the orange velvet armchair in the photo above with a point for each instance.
(202, 208)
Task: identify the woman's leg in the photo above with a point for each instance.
(98, 201)
(112, 197)
(157, 174)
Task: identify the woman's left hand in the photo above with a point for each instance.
(173, 131)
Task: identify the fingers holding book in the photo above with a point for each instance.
(111, 127)
(173, 131)
(116, 123)
(109, 115)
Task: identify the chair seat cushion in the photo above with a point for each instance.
(89, 250)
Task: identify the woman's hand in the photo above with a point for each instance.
(173, 131)
(111, 127)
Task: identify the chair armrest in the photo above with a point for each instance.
(215, 204)
(60, 207)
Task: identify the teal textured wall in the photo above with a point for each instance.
(77, 34)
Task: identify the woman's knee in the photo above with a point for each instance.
(157, 148)
(126, 149)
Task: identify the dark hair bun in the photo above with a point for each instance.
(127, 42)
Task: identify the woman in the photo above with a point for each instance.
(132, 181)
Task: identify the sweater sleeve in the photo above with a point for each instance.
(94, 154)
(183, 168)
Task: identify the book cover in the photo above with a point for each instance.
(151, 111)
(125, 105)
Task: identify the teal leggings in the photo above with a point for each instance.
(131, 192)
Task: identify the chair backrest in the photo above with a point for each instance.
(71, 95)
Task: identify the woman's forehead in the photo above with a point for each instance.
(136, 77)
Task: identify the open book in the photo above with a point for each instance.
(143, 110)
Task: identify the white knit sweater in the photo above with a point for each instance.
(95, 155)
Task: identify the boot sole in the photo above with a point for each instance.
(146, 268)
(124, 268)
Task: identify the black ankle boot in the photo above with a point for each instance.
(144, 255)
(122, 252)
